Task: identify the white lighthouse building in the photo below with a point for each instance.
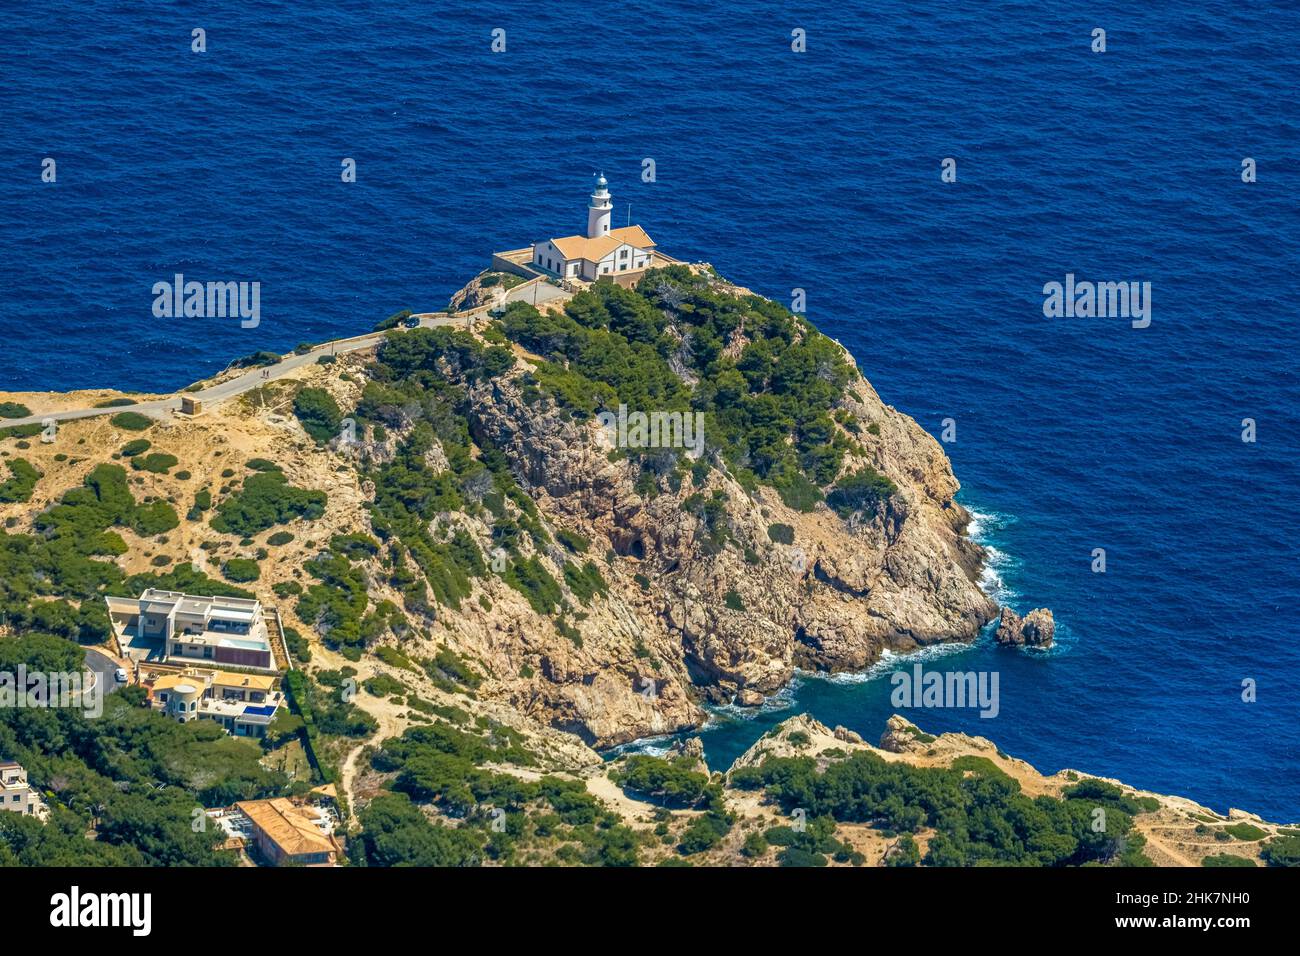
(599, 209)
(602, 251)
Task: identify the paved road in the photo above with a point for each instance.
(103, 666)
(161, 407)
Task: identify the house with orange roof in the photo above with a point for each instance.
(289, 834)
(602, 251)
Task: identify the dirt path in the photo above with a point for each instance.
(1161, 852)
(389, 726)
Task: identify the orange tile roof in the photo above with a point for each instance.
(633, 236)
(593, 250)
(289, 827)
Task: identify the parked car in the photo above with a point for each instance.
(119, 675)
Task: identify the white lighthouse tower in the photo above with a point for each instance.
(599, 210)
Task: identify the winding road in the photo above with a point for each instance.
(533, 290)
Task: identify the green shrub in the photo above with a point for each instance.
(154, 462)
(279, 538)
(585, 582)
(734, 601)
(115, 403)
(393, 321)
(977, 820)
(382, 685)
(1282, 851)
(135, 446)
(904, 852)
(132, 421)
(670, 783)
(21, 483)
(862, 491)
(297, 644)
(1246, 831)
(796, 490)
(318, 413)
(256, 360)
(781, 533)
(14, 410)
(266, 499)
(286, 589)
(573, 541)
(21, 431)
(354, 547)
(447, 668)
(1226, 860)
(154, 518)
(241, 570)
(534, 582)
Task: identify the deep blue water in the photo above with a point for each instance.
(817, 170)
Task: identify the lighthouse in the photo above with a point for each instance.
(602, 251)
(599, 210)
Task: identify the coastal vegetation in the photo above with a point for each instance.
(266, 499)
(21, 481)
(672, 345)
(318, 413)
(155, 462)
(444, 518)
(241, 570)
(978, 816)
(497, 816)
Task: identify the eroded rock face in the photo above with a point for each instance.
(476, 293)
(686, 621)
(1035, 629)
(901, 736)
(848, 736)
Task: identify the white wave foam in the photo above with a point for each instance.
(984, 530)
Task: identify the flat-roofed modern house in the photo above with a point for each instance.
(195, 629)
(602, 251)
(16, 795)
(244, 704)
(290, 835)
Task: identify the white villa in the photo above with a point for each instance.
(602, 251)
(196, 630)
(16, 795)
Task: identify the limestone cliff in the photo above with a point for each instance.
(743, 618)
(696, 608)
(686, 620)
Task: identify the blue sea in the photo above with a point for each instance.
(817, 170)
